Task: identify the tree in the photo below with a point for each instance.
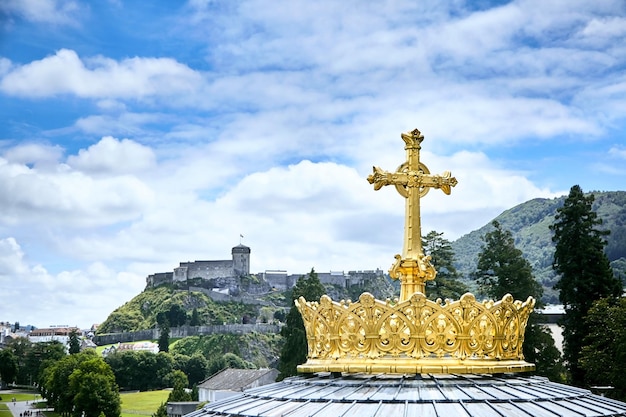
(196, 369)
(177, 315)
(294, 351)
(178, 391)
(55, 384)
(164, 336)
(81, 383)
(141, 370)
(446, 283)
(584, 272)
(228, 360)
(94, 389)
(74, 342)
(32, 358)
(161, 411)
(21, 348)
(603, 353)
(503, 270)
(8, 366)
(195, 318)
(195, 393)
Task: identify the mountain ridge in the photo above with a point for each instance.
(529, 223)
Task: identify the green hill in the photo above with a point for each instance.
(140, 313)
(529, 223)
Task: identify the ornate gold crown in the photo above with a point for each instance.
(414, 334)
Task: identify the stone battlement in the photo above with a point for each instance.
(224, 279)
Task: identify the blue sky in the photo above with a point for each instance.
(136, 135)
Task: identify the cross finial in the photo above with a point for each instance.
(412, 180)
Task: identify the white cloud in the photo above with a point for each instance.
(62, 196)
(99, 77)
(113, 156)
(11, 258)
(618, 152)
(76, 297)
(34, 153)
(43, 11)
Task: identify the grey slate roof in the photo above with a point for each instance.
(231, 379)
(364, 395)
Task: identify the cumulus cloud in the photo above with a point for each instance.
(60, 195)
(99, 77)
(113, 156)
(34, 154)
(76, 297)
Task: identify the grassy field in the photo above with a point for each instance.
(19, 396)
(133, 403)
(142, 403)
(4, 411)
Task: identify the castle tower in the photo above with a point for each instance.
(241, 259)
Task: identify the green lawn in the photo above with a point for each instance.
(133, 403)
(142, 403)
(4, 410)
(19, 396)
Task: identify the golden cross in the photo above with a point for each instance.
(412, 179)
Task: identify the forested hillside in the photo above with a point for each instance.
(140, 313)
(529, 223)
(197, 309)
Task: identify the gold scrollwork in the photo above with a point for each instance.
(416, 329)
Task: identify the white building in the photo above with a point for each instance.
(60, 334)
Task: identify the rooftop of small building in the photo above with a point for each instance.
(231, 379)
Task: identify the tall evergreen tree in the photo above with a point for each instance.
(503, 270)
(164, 336)
(584, 271)
(294, 351)
(74, 342)
(603, 355)
(446, 284)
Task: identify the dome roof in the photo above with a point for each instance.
(366, 395)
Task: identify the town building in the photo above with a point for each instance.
(229, 382)
(56, 333)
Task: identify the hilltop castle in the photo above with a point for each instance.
(230, 277)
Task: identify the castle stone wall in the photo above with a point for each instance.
(184, 331)
(159, 278)
(210, 269)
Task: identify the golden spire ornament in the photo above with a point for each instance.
(412, 179)
(414, 334)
